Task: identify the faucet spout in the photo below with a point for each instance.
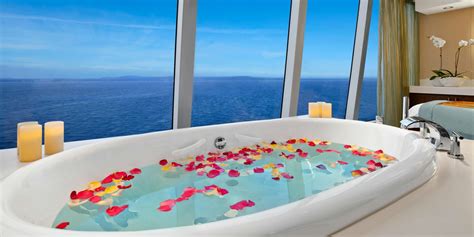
(444, 141)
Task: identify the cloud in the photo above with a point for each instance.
(83, 22)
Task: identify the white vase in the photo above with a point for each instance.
(452, 81)
(436, 82)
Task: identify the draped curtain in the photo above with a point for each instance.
(398, 57)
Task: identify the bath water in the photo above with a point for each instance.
(215, 186)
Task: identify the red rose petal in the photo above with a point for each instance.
(378, 152)
(242, 204)
(128, 177)
(85, 194)
(62, 225)
(73, 195)
(347, 146)
(303, 154)
(99, 189)
(167, 205)
(107, 179)
(200, 158)
(234, 173)
(95, 199)
(119, 175)
(213, 173)
(136, 171)
(115, 210)
(163, 162)
(258, 170)
(174, 164)
(291, 141)
(342, 162)
(124, 187)
(311, 143)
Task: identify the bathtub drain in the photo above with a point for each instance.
(220, 143)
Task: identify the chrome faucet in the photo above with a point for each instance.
(445, 141)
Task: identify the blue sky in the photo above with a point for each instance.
(84, 39)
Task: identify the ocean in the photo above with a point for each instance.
(106, 107)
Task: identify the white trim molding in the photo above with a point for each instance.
(358, 59)
(294, 57)
(184, 63)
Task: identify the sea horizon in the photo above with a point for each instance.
(118, 106)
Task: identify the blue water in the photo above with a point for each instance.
(163, 195)
(96, 108)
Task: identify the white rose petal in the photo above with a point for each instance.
(471, 42)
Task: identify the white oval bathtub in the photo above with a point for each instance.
(32, 196)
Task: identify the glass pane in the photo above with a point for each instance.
(105, 68)
(240, 60)
(327, 56)
(368, 102)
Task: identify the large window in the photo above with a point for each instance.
(240, 60)
(103, 67)
(368, 101)
(327, 56)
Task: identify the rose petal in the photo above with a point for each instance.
(62, 225)
(258, 170)
(119, 175)
(286, 175)
(95, 199)
(167, 205)
(124, 187)
(107, 179)
(136, 171)
(73, 195)
(234, 173)
(115, 210)
(342, 162)
(200, 158)
(163, 162)
(85, 194)
(128, 177)
(213, 173)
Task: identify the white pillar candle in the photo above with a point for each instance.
(326, 110)
(18, 134)
(30, 142)
(314, 109)
(53, 137)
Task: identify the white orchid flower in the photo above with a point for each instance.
(463, 43)
(437, 42)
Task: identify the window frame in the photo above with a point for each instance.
(185, 52)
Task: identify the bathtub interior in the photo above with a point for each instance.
(37, 193)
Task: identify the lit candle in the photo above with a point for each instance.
(30, 142)
(314, 109)
(18, 134)
(326, 110)
(53, 137)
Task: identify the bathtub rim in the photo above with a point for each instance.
(16, 222)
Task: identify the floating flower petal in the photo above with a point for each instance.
(62, 225)
(115, 210)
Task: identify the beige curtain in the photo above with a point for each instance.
(398, 57)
